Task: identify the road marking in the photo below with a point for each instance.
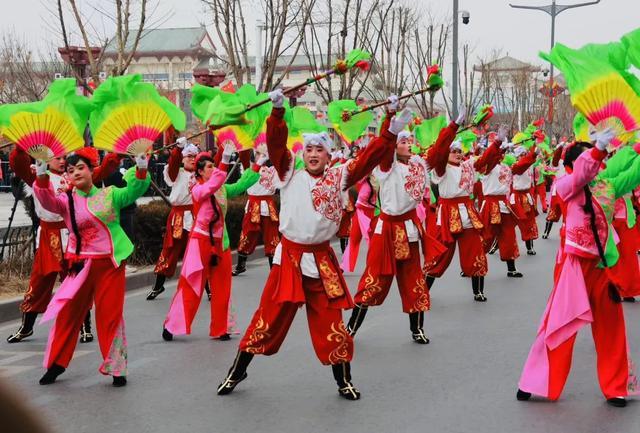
(7, 358)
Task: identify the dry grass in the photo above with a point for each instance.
(14, 277)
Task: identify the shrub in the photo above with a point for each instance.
(150, 223)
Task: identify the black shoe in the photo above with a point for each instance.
(416, 324)
(237, 373)
(419, 337)
(531, 252)
(479, 297)
(119, 381)
(342, 375)
(629, 299)
(224, 337)
(463, 275)
(86, 336)
(522, 395)
(26, 328)
(545, 236)
(357, 317)
(617, 401)
(166, 335)
(514, 274)
(153, 294)
(494, 248)
(52, 374)
(241, 267)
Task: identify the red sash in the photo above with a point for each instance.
(450, 220)
(175, 222)
(253, 208)
(490, 212)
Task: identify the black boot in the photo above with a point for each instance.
(430, 280)
(86, 336)
(26, 328)
(416, 323)
(158, 287)
(625, 299)
(208, 290)
(119, 381)
(530, 250)
(166, 335)
(270, 258)
(477, 284)
(547, 230)
(342, 375)
(343, 244)
(512, 271)
(52, 374)
(357, 317)
(523, 395)
(241, 266)
(617, 401)
(237, 373)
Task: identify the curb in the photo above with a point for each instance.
(10, 308)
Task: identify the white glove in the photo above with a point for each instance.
(142, 162)
(603, 138)
(506, 146)
(262, 160)
(277, 98)
(393, 102)
(502, 134)
(41, 167)
(338, 154)
(462, 115)
(400, 120)
(229, 150)
(181, 142)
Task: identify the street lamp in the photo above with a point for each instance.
(211, 77)
(553, 10)
(466, 17)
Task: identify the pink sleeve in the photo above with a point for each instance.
(203, 190)
(585, 169)
(43, 190)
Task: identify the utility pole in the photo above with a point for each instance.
(260, 26)
(553, 10)
(454, 69)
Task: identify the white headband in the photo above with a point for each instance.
(320, 139)
(190, 150)
(402, 135)
(456, 145)
(519, 151)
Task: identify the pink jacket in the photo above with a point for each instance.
(202, 194)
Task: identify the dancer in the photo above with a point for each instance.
(180, 218)
(361, 221)
(48, 262)
(521, 200)
(458, 221)
(394, 249)
(583, 293)
(260, 214)
(305, 267)
(555, 204)
(97, 250)
(208, 256)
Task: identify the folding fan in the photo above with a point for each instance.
(299, 121)
(349, 128)
(427, 131)
(466, 139)
(51, 127)
(130, 115)
(581, 128)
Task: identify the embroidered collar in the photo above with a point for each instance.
(91, 192)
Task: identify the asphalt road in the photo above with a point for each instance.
(464, 381)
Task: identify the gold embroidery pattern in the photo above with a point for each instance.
(243, 242)
(423, 303)
(480, 264)
(400, 243)
(455, 224)
(273, 212)
(54, 245)
(162, 264)
(494, 212)
(258, 334)
(475, 219)
(255, 213)
(177, 225)
(339, 336)
(330, 280)
(371, 288)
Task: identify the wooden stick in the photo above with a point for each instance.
(400, 98)
(155, 187)
(168, 146)
(5, 145)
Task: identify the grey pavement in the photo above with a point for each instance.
(464, 381)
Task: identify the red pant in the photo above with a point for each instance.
(250, 235)
(186, 301)
(505, 233)
(609, 336)
(473, 259)
(105, 285)
(172, 251)
(540, 192)
(528, 228)
(374, 287)
(47, 264)
(626, 273)
(271, 322)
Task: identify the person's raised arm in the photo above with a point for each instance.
(20, 163)
(277, 134)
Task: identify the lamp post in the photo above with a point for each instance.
(78, 59)
(553, 10)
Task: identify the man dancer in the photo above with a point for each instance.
(180, 219)
(260, 215)
(306, 270)
(521, 200)
(394, 247)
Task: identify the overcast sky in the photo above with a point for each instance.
(494, 25)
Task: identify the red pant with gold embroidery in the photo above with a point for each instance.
(251, 233)
(540, 192)
(172, 252)
(473, 260)
(374, 287)
(505, 233)
(271, 322)
(47, 264)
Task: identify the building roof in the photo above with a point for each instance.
(506, 64)
(166, 41)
